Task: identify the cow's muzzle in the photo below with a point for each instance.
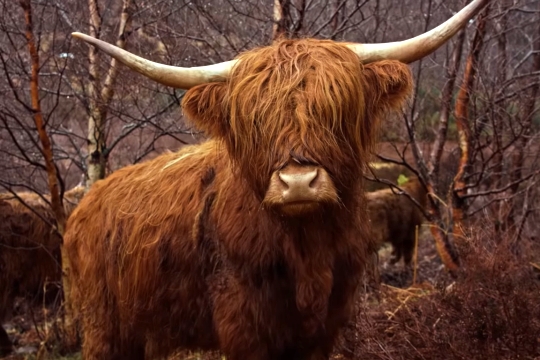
(300, 189)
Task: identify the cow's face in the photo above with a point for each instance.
(298, 119)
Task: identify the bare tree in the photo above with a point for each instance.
(465, 161)
(100, 92)
(464, 127)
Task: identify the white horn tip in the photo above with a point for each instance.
(79, 35)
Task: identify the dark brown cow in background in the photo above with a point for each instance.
(29, 250)
(386, 171)
(247, 243)
(394, 217)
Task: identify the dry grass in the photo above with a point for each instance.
(490, 311)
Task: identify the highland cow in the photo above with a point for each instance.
(29, 251)
(394, 217)
(246, 243)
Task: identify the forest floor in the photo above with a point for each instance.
(491, 311)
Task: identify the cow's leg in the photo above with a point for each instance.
(105, 348)
(131, 347)
(99, 330)
(235, 325)
(6, 346)
(396, 253)
(102, 341)
(238, 342)
(135, 351)
(322, 346)
(319, 355)
(98, 345)
(319, 351)
(242, 347)
(408, 249)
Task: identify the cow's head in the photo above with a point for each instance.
(298, 117)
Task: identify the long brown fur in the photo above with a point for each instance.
(178, 252)
(29, 250)
(394, 217)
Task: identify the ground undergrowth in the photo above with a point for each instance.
(489, 310)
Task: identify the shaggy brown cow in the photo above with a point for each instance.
(29, 250)
(247, 243)
(394, 217)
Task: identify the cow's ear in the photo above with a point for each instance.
(206, 106)
(389, 83)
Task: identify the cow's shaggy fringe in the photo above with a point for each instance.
(178, 252)
(29, 250)
(311, 97)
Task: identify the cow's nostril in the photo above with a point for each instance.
(284, 180)
(313, 181)
(301, 180)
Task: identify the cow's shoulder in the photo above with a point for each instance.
(166, 192)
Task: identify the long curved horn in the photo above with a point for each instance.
(410, 50)
(178, 77)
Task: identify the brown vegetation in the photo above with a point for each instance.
(490, 311)
(30, 263)
(395, 217)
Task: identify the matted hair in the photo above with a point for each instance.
(308, 99)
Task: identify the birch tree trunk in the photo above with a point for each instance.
(99, 101)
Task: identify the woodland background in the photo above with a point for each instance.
(69, 114)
